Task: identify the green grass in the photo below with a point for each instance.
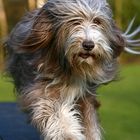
(120, 104)
(6, 90)
(120, 110)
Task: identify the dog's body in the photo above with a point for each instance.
(58, 56)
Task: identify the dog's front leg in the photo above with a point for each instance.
(55, 118)
(88, 107)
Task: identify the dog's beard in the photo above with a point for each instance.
(97, 65)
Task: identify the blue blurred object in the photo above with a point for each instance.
(13, 124)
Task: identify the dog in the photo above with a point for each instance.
(58, 56)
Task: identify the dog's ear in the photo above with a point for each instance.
(117, 41)
(126, 41)
(33, 32)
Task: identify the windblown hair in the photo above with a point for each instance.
(58, 56)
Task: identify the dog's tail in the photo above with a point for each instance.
(133, 45)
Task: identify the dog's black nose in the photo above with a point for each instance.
(88, 45)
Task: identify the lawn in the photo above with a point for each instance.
(120, 104)
(6, 90)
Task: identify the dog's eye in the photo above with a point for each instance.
(76, 23)
(97, 21)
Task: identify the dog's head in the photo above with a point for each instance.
(80, 36)
(86, 37)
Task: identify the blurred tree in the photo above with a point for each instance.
(32, 4)
(3, 31)
(11, 11)
(3, 20)
(118, 12)
(14, 10)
